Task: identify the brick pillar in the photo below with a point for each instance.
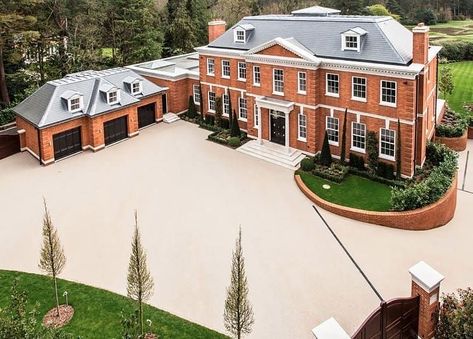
(426, 284)
(420, 46)
(216, 29)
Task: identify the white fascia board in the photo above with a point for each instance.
(220, 52)
(434, 51)
(165, 75)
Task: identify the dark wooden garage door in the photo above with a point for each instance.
(67, 143)
(146, 115)
(115, 130)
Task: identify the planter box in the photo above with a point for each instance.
(456, 144)
(470, 132)
(425, 218)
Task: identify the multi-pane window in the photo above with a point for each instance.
(240, 36)
(358, 139)
(225, 68)
(75, 104)
(210, 66)
(226, 104)
(351, 42)
(278, 81)
(332, 129)
(113, 97)
(302, 126)
(256, 76)
(359, 88)
(212, 101)
(135, 87)
(196, 91)
(388, 92)
(302, 82)
(387, 143)
(256, 116)
(242, 71)
(243, 109)
(332, 84)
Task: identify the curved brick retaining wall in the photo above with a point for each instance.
(456, 144)
(470, 132)
(426, 218)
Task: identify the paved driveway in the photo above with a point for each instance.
(191, 196)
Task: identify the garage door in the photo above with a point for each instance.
(115, 130)
(67, 143)
(146, 115)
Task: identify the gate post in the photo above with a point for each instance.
(426, 284)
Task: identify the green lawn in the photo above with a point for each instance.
(463, 79)
(97, 312)
(354, 191)
(452, 31)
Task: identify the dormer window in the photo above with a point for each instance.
(351, 42)
(352, 39)
(113, 97)
(136, 88)
(75, 104)
(241, 33)
(240, 36)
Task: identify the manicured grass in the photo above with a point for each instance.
(354, 191)
(452, 31)
(97, 312)
(463, 79)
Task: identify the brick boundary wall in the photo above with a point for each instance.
(456, 144)
(426, 218)
(470, 132)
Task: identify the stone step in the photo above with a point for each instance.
(170, 118)
(275, 154)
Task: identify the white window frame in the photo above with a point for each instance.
(226, 105)
(353, 96)
(236, 36)
(279, 81)
(241, 109)
(210, 66)
(80, 103)
(256, 83)
(345, 46)
(353, 147)
(301, 128)
(140, 87)
(255, 116)
(387, 156)
(304, 79)
(327, 92)
(114, 92)
(209, 101)
(224, 68)
(332, 142)
(196, 94)
(387, 103)
(242, 67)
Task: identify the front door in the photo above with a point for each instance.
(278, 127)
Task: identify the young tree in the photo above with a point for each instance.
(398, 151)
(372, 151)
(192, 110)
(446, 85)
(218, 111)
(238, 314)
(52, 259)
(344, 138)
(140, 283)
(325, 155)
(235, 127)
(456, 316)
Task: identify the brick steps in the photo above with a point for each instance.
(273, 153)
(169, 118)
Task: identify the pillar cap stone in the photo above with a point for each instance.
(330, 329)
(425, 276)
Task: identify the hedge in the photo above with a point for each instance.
(452, 126)
(6, 116)
(371, 176)
(335, 172)
(457, 51)
(430, 190)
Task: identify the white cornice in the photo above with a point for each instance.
(205, 50)
(281, 61)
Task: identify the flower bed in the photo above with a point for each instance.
(452, 131)
(224, 138)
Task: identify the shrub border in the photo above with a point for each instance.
(457, 144)
(425, 218)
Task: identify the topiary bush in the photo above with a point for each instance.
(325, 155)
(192, 110)
(307, 165)
(235, 127)
(372, 151)
(234, 142)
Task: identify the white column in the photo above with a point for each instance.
(286, 132)
(260, 126)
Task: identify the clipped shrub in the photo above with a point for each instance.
(307, 165)
(385, 170)
(192, 110)
(234, 142)
(452, 126)
(235, 127)
(372, 151)
(335, 172)
(357, 161)
(325, 155)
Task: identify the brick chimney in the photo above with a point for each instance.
(216, 29)
(420, 44)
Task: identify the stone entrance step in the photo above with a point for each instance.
(286, 157)
(169, 118)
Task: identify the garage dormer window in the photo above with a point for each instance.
(113, 97)
(136, 87)
(75, 104)
(240, 36)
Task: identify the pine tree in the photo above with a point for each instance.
(181, 33)
(192, 110)
(325, 155)
(238, 314)
(372, 151)
(235, 128)
(398, 151)
(218, 111)
(52, 259)
(344, 138)
(140, 283)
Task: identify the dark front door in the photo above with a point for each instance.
(165, 103)
(146, 115)
(278, 128)
(67, 143)
(115, 130)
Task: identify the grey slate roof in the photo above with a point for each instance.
(316, 11)
(386, 40)
(48, 105)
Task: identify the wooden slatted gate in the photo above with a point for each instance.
(395, 319)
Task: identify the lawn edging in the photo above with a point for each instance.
(457, 144)
(425, 218)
